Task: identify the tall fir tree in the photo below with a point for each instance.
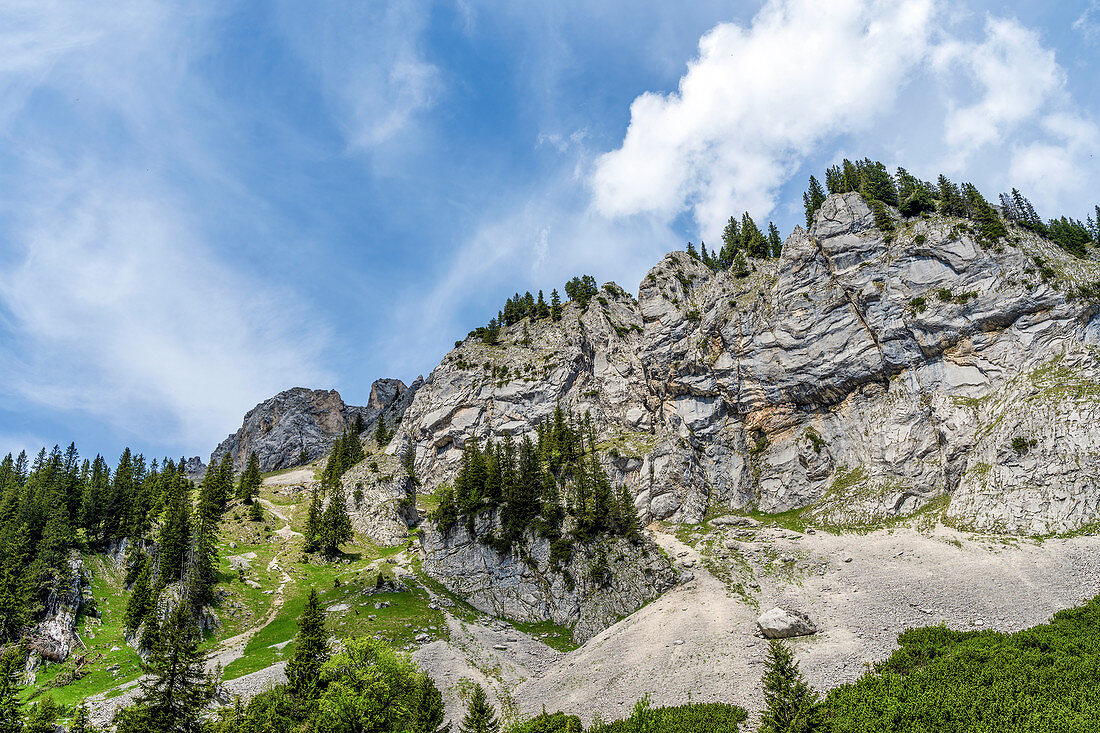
(175, 688)
(812, 200)
(11, 704)
(480, 714)
(303, 671)
(250, 480)
(140, 602)
(790, 705)
(555, 305)
(335, 522)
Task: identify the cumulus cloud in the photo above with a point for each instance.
(1018, 108)
(756, 101)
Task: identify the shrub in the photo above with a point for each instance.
(917, 305)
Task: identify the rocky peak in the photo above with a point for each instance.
(861, 376)
(280, 428)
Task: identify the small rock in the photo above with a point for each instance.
(500, 647)
(679, 642)
(847, 559)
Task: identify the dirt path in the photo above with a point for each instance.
(228, 650)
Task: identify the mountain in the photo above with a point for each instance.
(862, 376)
(299, 425)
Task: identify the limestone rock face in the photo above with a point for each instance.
(529, 588)
(54, 637)
(280, 428)
(857, 378)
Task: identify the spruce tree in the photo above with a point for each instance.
(740, 265)
(140, 602)
(692, 252)
(381, 437)
(791, 706)
(12, 660)
(175, 532)
(310, 649)
(555, 305)
(480, 714)
(335, 523)
(250, 480)
(42, 718)
(731, 244)
(812, 199)
(175, 688)
(775, 242)
(426, 707)
(81, 722)
(255, 513)
(313, 521)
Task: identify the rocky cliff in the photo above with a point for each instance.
(280, 428)
(859, 377)
(600, 583)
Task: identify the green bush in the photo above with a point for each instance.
(715, 717)
(1042, 679)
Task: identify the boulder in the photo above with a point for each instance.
(779, 623)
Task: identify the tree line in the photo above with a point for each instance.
(912, 196)
(554, 485)
(740, 239)
(580, 290)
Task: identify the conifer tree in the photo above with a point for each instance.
(11, 672)
(175, 688)
(555, 305)
(175, 532)
(359, 425)
(310, 649)
(255, 513)
(480, 715)
(42, 718)
(15, 592)
(81, 722)
(140, 602)
(335, 523)
(692, 252)
(740, 265)
(381, 436)
(791, 706)
(775, 243)
(812, 200)
(731, 244)
(426, 707)
(752, 239)
(250, 480)
(542, 310)
(313, 521)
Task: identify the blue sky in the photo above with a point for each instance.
(202, 204)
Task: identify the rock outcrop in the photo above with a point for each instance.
(857, 378)
(306, 421)
(600, 583)
(53, 638)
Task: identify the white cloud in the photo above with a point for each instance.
(756, 101)
(1017, 110)
(1014, 75)
(369, 62)
(1088, 24)
(117, 309)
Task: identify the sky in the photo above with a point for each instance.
(204, 203)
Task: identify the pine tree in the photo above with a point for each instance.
(335, 523)
(775, 243)
(480, 715)
(740, 265)
(542, 310)
(692, 252)
(250, 480)
(792, 707)
(175, 688)
(731, 244)
(81, 722)
(313, 521)
(359, 425)
(310, 649)
(11, 671)
(381, 436)
(752, 239)
(172, 540)
(43, 717)
(140, 602)
(555, 305)
(426, 707)
(255, 513)
(812, 199)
